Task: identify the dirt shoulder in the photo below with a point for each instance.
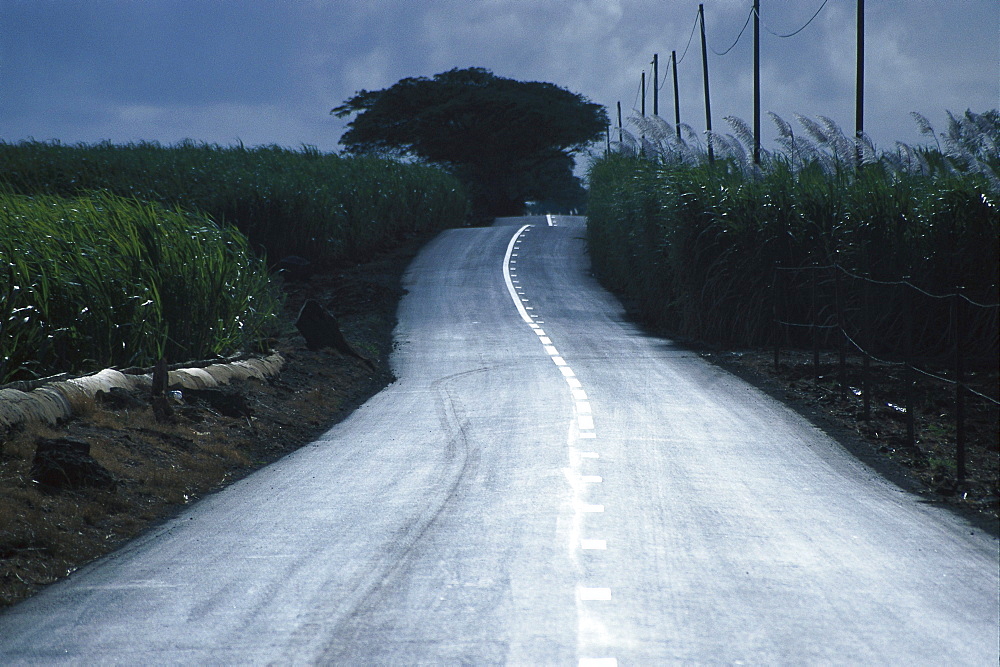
(159, 467)
(926, 468)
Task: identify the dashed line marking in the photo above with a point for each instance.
(586, 593)
(584, 425)
(594, 545)
(507, 274)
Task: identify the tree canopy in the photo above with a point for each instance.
(510, 141)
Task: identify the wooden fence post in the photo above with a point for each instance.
(909, 379)
(814, 317)
(775, 295)
(866, 382)
(842, 339)
(958, 324)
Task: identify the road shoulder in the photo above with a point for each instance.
(158, 468)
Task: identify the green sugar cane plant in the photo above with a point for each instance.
(324, 207)
(693, 245)
(111, 254)
(88, 282)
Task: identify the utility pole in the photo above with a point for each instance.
(656, 84)
(704, 67)
(677, 101)
(642, 86)
(859, 105)
(756, 81)
(621, 138)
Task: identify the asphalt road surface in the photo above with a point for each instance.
(542, 485)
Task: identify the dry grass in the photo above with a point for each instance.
(161, 467)
(47, 533)
(930, 461)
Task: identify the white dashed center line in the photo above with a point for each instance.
(598, 545)
(582, 428)
(593, 593)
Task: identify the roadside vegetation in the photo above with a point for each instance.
(217, 435)
(102, 280)
(320, 206)
(119, 255)
(508, 141)
(694, 244)
(864, 283)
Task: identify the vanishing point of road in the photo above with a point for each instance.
(543, 484)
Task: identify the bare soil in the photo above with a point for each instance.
(927, 466)
(159, 467)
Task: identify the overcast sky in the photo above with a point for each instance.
(268, 72)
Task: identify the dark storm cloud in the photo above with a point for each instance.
(270, 71)
(151, 53)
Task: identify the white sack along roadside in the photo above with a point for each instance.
(59, 401)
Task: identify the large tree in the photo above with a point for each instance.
(510, 141)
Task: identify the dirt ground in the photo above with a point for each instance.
(158, 468)
(928, 466)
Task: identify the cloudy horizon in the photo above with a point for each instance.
(268, 72)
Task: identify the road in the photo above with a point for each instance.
(543, 484)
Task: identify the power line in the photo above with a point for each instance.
(742, 30)
(700, 20)
(690, 37)
(666, 71)
(750, 15)
(792, 34)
